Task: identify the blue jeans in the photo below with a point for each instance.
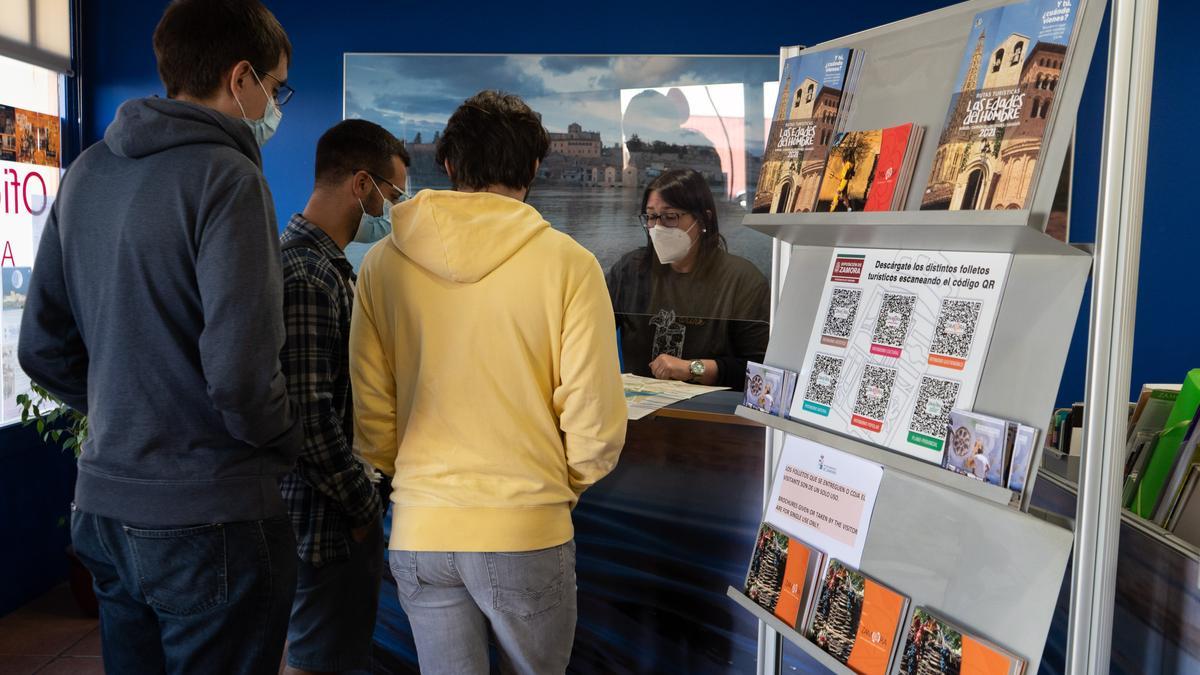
(333, 615)
(527, 600)
(203, 599)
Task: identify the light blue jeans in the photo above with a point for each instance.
(452, 599)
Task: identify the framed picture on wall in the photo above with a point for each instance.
(615, 123)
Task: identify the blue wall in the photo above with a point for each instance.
(118, 63)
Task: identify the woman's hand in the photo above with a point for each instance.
(667, 367)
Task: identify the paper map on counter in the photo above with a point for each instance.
(647, 395)
(900, 338)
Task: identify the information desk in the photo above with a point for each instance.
(662, 537)
(659, 540)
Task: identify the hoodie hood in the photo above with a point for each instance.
(146, 126)
(463, 236)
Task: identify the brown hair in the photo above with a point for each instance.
(198, 41)
(493, 139)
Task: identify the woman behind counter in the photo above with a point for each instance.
(687, 309)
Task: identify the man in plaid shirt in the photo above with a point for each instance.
(331, 496)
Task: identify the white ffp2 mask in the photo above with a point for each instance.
(671, 244)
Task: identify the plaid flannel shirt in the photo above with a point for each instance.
(329, 492)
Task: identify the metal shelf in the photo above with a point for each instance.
(934, 534)
(989, 231)
(892, 460)
(818, 654)
(1145, 527)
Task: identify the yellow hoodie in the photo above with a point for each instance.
(483, 358)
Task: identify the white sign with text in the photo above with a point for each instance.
(824, 497)
(900, 339)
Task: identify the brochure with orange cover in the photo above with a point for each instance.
(856, 619)
(934, 646)
(782, 574)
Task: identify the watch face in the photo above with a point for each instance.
(696, 368)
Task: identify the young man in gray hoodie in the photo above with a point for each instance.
(156, 308)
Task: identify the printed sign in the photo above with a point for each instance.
(899, 340)
(824, 497)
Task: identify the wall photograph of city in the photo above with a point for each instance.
(616, 122)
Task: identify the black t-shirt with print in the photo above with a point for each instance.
(718, 311)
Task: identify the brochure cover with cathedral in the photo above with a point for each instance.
(989, 152)
(814, 93)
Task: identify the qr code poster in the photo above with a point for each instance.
(892, 324)
(899, 343)
(823, 379)
(874, 394)
(840, 316)
(954, 332)
(931, 415)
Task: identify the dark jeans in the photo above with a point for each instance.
(333, 615)
(204, 599)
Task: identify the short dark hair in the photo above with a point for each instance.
(198, 41)
(686, 190)
(493, 139)
(357, 145)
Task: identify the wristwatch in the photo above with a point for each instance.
(696, 368)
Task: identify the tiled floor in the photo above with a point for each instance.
(50, 636)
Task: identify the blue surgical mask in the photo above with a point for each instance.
(263, 128)
(373, 228)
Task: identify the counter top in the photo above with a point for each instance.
(717, 406)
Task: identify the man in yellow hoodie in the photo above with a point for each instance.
(486, 382)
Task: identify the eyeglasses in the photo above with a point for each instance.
(285, 91)
(401, 192)
(666, 219)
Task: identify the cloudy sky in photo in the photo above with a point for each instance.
(414, 93)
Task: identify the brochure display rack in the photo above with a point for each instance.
(944, 540)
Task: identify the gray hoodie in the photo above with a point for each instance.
(156, 308)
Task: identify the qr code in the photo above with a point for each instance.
(823, 380)
(843, 307)
(955, 327)
(895, 316)
(935, 399)
(874, 392)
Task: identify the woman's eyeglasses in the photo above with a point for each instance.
(666, 219)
